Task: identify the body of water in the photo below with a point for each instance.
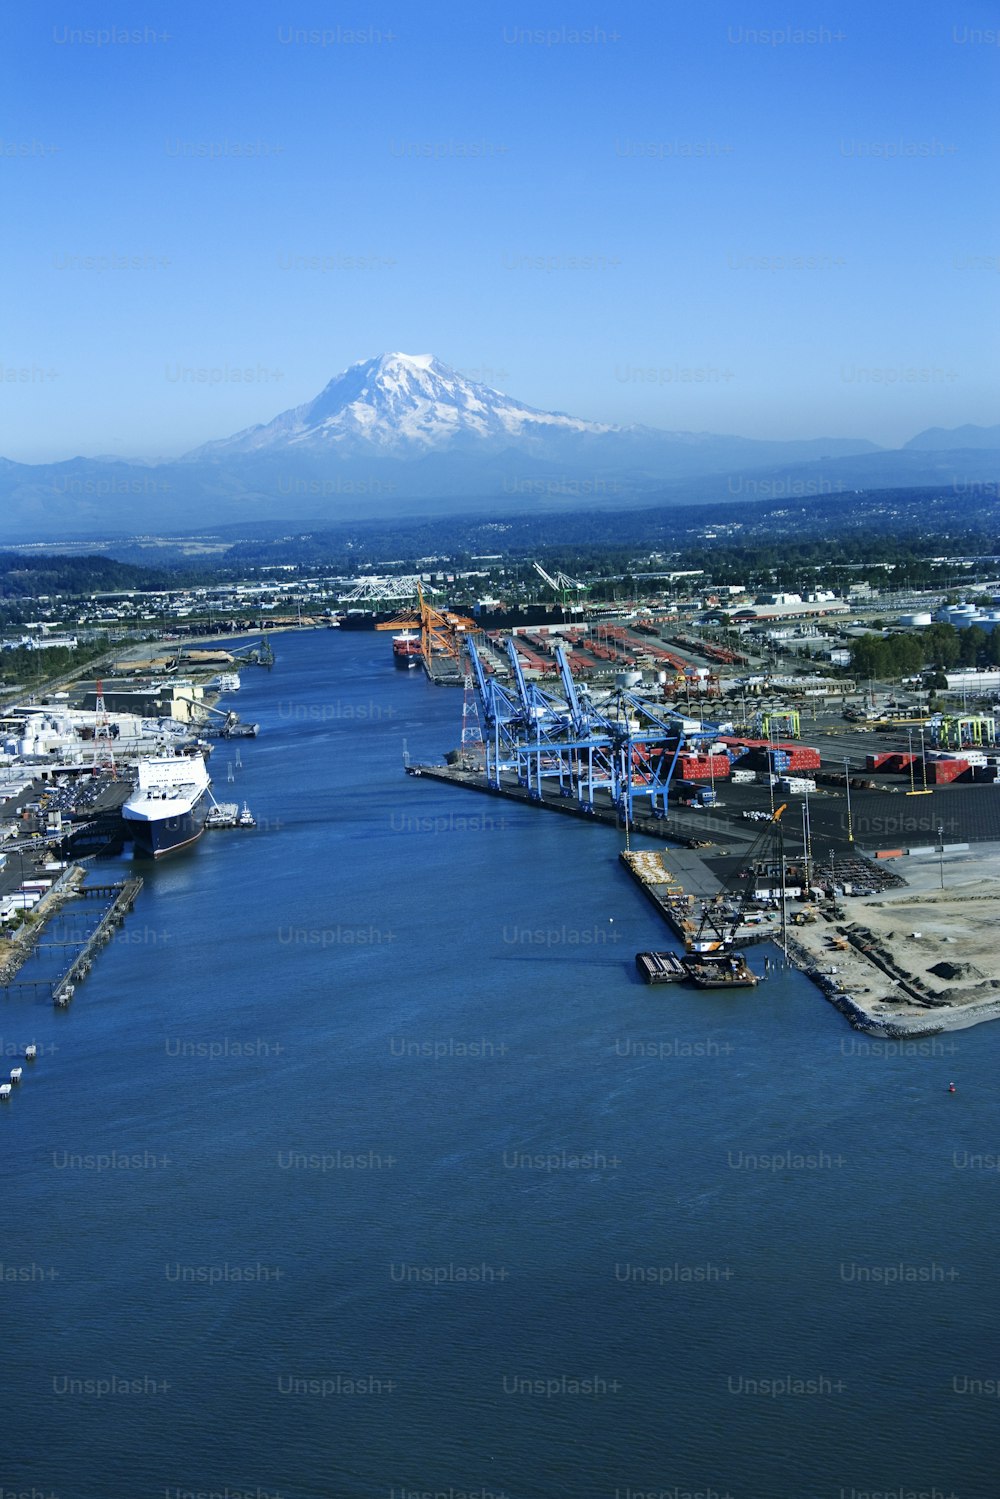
(363, 1164)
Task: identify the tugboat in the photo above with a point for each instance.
(246, 818)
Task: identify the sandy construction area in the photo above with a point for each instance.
(920, 958)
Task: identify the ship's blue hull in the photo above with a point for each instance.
(168, 834)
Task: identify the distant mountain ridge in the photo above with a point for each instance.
(940, 439)
(404, 433)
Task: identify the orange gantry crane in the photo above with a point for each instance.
(441, 631)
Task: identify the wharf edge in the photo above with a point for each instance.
(855, 1012)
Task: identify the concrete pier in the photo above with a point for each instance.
(122, 898)
(674, 899)
(692, 831)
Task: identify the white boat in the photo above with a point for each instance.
(223, 815)
(167, 809)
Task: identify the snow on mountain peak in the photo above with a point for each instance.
(421, 361)
(402, 404)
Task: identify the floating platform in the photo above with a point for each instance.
(727, 970)
(660, 967)
(722, 970)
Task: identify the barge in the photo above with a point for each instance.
(660, 967)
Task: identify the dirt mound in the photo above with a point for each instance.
(946, 970)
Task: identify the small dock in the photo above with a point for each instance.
(113, 891)
(121, 895)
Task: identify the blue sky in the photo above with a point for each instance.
(772, 220)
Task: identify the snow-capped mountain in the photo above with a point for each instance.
(404, 433)
(402, 405)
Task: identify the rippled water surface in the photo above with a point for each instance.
(363, 1164)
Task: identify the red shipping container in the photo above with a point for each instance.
(943, 772)
(703, 767)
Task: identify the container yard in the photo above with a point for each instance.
(587, 722)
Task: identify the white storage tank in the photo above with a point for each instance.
(915, 621)
(958, 615)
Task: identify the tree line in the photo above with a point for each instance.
(28, 667)
(938, 648)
